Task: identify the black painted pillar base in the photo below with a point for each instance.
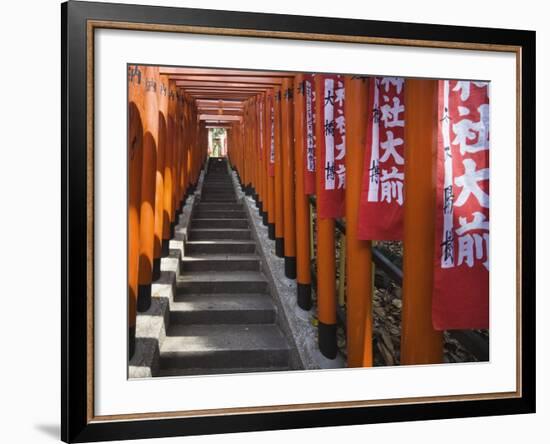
(260, 206)
(165, 247)
(290, 267)
(271, 231)
(144, 298)
(264, 218)
(280, 247)
(131, 342)
(172, 229)
(304, 296)
(156, 269)
(327, 340)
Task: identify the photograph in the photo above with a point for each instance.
(283, 221)
(267, 226)
(265, 222)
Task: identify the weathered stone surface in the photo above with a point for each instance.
(152, 325)
(296, 322)
(222, 318)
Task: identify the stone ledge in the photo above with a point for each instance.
(151, 325)
(297, 322)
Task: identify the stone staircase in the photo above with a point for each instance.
(223, 319)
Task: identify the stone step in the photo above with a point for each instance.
(218, 185)
(218, 188)
(197, 222)
(219, 214)
(224, 346)
(218, 371)
(232, 200)
(206, 197)
(221, 262)
(220, 192)
(219, 233)
(220, 246)
(220, 206)
(222, 308)
(221, 282)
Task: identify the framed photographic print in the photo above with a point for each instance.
(275, 221)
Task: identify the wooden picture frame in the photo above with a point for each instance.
(79, 22)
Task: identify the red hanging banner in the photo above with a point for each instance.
(309, 134)
(332, 148)
(271, 129)
(461, 262)
(382, 198)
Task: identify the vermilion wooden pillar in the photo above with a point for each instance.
(187, 130)
(135, 159)
(263, 166)
(287, 148)
(177, 156)
(148, 183)
(162, 92)
(303, 259)
(420, 343)
(168, 216)
(358, 252)
(270, 178)
(251, 149)
(326, 255)
(254, 148)
(244, 140)
(279, 202)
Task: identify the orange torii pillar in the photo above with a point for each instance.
(243, 148)
(270, 179)
(303, 259)
(178, 157)
(197, 153)
(279, 202)
(203, 143)
(188, 130)
(287, 149)
(168, 217)
(358, 252)
(420, 343)
(135, 159)
(192, 147)
(257, 166)
(237, 149)
(186, 147)
(251, 150)
(254, 151)
(262, 165)
(148, 184)
(326, 254)
(162, 91)
(248, 162)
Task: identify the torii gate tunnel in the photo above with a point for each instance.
(271, 131)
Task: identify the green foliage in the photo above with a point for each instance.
(217, 132)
